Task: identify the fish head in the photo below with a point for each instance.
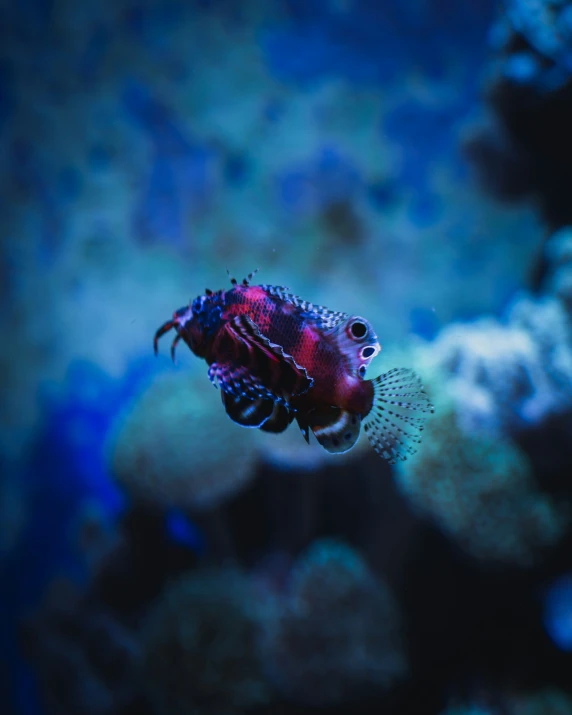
(357, 342)
(198, 322)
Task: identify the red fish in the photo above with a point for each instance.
(278, 358)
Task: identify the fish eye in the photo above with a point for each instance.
(197, 305)
(368, 352)
(358, 329)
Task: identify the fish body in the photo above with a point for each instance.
(277, 357)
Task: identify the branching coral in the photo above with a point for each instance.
(199, 648)
(335, 636)
(558, 255)
(506, 376)
(546, 25)
(177, 447)
(480, 490)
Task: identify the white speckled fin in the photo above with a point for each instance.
(397, 416)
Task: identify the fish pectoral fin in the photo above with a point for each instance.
(398, 413)
(336, 430)
(267, 361)
(249, 403)
(246, 411)
(257, 379)
(279, 420)
(238, 381)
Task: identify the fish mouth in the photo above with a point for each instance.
(180, 317)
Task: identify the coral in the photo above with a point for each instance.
(82, 642)
(175, 446)
(557, 612)
(546, 25)
(84, 659)
(527, 84)
(545, 702)
(367, 43)
(542, 702)
(335, 636)
(199, 647)
(119, 132)
(508, 375)
(480, 491)
(558, 259)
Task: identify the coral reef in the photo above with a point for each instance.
(83, 639)
(131, 170)
(480, 490)
(558, 265)
(176, 446)
(510, 374)
(146, 146)
(85, 658)
(336, 636)
(528, 86)
(199, 651)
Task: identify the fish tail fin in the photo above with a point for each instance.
(397, 416)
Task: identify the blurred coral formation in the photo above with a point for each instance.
(407, 161)
(335, 637)
(199, 647)
(175, 445)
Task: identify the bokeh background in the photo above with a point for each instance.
(406, 160)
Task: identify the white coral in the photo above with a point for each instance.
(506, 375)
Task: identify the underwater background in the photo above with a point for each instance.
(405, 160)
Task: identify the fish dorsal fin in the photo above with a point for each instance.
(322, 316)
(335, 429)
(356, 342)
(398, 414)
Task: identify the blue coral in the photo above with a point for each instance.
(557, 612)
(335, 635)
(327, 178)
(179, 172)
(199, 652)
